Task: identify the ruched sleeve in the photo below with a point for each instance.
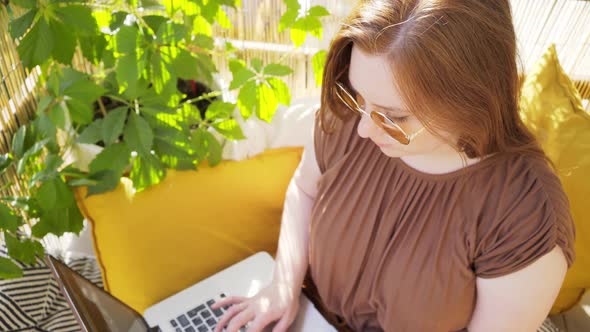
(532, 216)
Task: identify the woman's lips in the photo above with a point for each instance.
(381, 145)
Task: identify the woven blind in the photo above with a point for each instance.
(538, 23)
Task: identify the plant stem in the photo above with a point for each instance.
(102, 108)
(205, 96)
(126, 102)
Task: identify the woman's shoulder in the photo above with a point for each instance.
(523, 205)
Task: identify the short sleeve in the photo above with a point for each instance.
(331, 146)
(532, 216)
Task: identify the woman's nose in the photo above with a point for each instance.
(367, 128)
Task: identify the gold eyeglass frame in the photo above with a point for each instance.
(382, 120)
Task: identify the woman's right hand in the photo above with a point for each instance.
(277, 301)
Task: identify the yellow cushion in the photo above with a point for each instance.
(155, 243)
(552, 108)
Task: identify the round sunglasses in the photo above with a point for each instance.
(380, 119)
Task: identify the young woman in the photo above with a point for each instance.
(423, 203)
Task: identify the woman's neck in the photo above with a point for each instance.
(443, 160)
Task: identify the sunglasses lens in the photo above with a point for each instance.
(393, 130)
(346, 98)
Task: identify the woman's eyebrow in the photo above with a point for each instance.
(385, 108)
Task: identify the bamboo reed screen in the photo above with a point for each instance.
(254, 33)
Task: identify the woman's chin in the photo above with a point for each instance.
(392, 151)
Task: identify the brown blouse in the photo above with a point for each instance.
(395, 249)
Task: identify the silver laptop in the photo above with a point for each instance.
(187, 311)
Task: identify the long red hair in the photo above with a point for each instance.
(455, 64)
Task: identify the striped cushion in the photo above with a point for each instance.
(35, 303)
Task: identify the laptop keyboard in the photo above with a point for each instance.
(201, 318)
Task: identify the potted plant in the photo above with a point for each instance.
(150, 102)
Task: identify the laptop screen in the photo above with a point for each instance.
(97, 310)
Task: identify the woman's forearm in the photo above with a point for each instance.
(292, 253)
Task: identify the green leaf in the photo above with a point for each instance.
(59, 221)
(112, 126)
(109, 61)
(190, 113)
(256, 64)
(101, 182)
(229, 129)
(66, 42)
(318, 11)
(85, 90)
(45, 127)
(298, 36)
(220, 110)
(25, 3)
(222, 19)
(18, 142)
(154, 22)
(9, 270)
(23, 203)
(43, 103)
(247, 99)
(117, 20)
(127, 40)
(115, 157)
(235, 65)
(136, 89)
(276, 69)
(54, 194)
(206, 68)
(147, 4)
(303, 25)
(147, 171)
(185, 65)
(281, 90)
(8, 220)
(79, 18)
(138, 134)
(288, 19)
(80, 111)
(5, 162)
(57, 116)
(266, 102)
(64, 78)
(92, 133)
(161, 75)
(206, 146)
(93, 48)
(230, 48)
(240, 77)
(203, 41)
(292, 4)
(35, 48)
(24, 251)
(201, 26)
(52, 163)
(318, 62)
(58, 210)
(19, 26)
(31, 152)
(230, 3)
(209, 10)
(128, 71)
(170, 33)
(175, 153)
(103, 17)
